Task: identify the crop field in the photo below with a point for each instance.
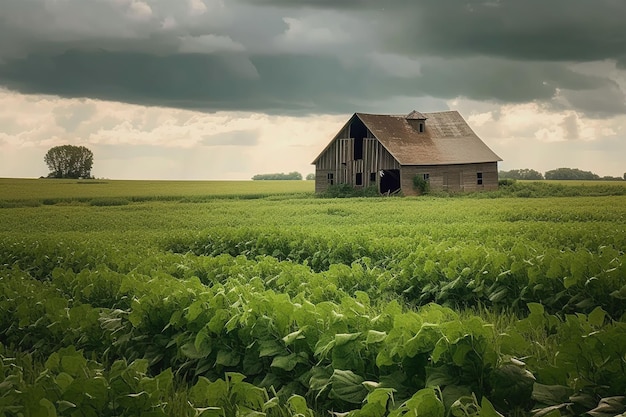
(132, 298)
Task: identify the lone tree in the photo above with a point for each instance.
(69, 161)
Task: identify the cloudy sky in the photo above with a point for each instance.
(225, 89)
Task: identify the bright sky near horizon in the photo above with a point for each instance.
(215, 89)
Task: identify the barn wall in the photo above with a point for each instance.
(451, 177)
(338, 161)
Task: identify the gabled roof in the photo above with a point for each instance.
(448, 139)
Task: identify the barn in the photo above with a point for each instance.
(388, 151)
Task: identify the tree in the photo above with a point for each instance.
(311, 177)
(570, 174)
(521, 174)
(69, 161)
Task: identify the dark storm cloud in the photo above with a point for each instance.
(302, 56)
(283, 83)
(571, 30)
(556, 30)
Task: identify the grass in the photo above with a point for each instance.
(580, 182)
(35, 192)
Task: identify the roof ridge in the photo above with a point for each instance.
(406, 116)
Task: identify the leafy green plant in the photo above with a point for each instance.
(421, 185)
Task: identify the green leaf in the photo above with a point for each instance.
(299, 406)
(270, 348)
(347, 386)
(619, 294)
(292, 337)
(320, 378)
(487, 409)
(380, 396)
(345, 338)
(551, 394)
(158, 385)
(285, 362)
(227, 358)
(189, 350)
(569, 281)
(460, 352)
(596, 317)
(63, 380)
(440, 377)
(194, 310)
(512, 385)
(63, 405)
(609, 406)
(424, 403)
(218, 321)
(536, 308)
(53, 362)
(47, 408)
(374, 336)
(208, 394)
(424, 341)
(73, 362)
(498, 294)
(203, 340)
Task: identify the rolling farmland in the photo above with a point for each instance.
(258, 298)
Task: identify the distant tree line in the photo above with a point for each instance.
(521, 174)
(555, 174)
(282, 176)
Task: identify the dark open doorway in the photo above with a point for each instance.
(390, 181)
(358, 131)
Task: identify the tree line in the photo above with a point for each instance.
(555, 174)
(282, 176)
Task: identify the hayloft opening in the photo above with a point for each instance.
(358, 131)
(390, 181)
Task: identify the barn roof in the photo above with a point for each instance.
(447, 139)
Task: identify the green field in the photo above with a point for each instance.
(153, 298)
(83, 190)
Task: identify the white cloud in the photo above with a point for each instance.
(139, 10)
(169, 23)
(533, 136)
(137, 142)
(197, 7)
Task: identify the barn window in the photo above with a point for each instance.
(479, 178)
(421, 127)
(426, 177)
(373, 177)
(331, 178)
(359, 178)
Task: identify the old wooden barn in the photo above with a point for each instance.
(388, 151)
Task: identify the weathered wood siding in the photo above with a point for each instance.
(452, 177)
(338, 160)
